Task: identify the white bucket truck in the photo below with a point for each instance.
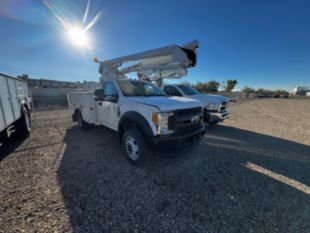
(15, 106)
(145, 118)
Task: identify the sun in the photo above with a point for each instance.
(78, 37)
(75, 32)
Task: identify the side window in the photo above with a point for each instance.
(110, 92)
(172, 91)
(110, 89)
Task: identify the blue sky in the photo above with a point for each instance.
(259, 43)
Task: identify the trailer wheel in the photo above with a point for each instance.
(81, 123)
(135, 147)
(3, 137)
(23, 126)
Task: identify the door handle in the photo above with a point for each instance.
(100, 103)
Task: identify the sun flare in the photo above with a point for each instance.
(75, 32)
(78, 37)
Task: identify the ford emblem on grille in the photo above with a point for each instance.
(195, 118)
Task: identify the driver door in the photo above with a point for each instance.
(107, 107)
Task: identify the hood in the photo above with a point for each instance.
(167, 103)
(210, 98)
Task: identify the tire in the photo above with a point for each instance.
(81, 123)
(23, 126)
(2, 138)
(212, 122)
(135, 147)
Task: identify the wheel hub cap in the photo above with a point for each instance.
(132, 148)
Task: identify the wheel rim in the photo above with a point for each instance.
(132, 148)
(27, 121)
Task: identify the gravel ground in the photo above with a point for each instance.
(249, 174)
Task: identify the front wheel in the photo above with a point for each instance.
(23, 125)
(135, 147)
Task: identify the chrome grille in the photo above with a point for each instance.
(181, 120)
(222, 106)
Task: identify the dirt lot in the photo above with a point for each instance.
(249, 174)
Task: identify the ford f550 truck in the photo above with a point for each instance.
(145, 118)
(214, 106)
(14, 107)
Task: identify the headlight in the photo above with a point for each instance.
(160, 120)
(212, 107)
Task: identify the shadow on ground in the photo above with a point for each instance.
(233, 181)
(10, 145)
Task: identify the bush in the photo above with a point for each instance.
(248, 90)
(211, 86)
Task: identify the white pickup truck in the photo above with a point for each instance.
(214, 106)
(15, 106)
(142, 114)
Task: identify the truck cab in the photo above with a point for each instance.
(214, 106)
(145, 118)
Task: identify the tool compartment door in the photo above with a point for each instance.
(14, 98)
(7, 115)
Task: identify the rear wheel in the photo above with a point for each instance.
(135, 147)
(81, 123)
(23, 126)
(2, 137)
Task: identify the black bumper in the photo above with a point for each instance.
(171, 142)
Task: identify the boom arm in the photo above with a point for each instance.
(153, 65)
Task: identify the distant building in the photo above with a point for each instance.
(301, 90)
(46, 92)
(90, 86)
(46, 83)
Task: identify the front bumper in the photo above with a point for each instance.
(172, 141)
(210, 116)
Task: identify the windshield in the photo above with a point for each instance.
(138, 88)
(188, 90)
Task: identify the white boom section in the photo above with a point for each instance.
(153, 65)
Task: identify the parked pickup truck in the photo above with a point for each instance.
(214, 106)
(145, 118)
(14, 107)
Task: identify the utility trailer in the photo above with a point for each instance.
(15, 107)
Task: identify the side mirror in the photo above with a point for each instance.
(99, 95)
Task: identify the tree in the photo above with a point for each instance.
(231, 83)
(211, 86)
(247, 89)
(263, 91)
(201, 86)
(186, 83)
(280, 92)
